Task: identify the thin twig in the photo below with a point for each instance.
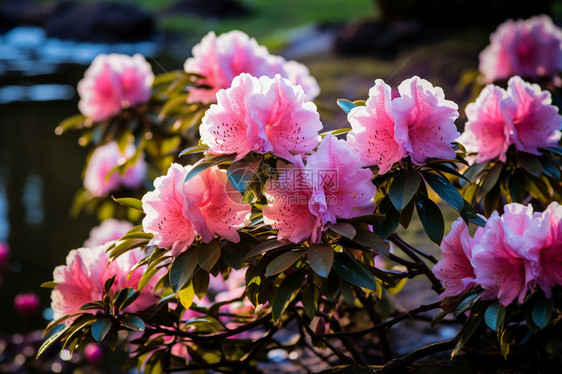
(391, 322)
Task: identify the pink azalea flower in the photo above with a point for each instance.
(506, 259)
(261, 115)
(289, 124)
(341, 187)
(299, 75)
(529, 48)
(109, 230)
(455, 270)
(536, 123)
(488, 129)
(214, 207)
(103, 160)
(221, 59)
(164, 212)
(425, 121)
(551, 254)
(287, 209)
(372, 129)
(81, 280)
(113, 82)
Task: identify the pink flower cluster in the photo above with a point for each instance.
(332, 186)
(81, 280)
(221, 59)
(417, 122)
(109, 230)
(514, 253)
(206, 205)
(522, 115)
(261, 115)
(530, 48)
(103, 160)
(113, 82)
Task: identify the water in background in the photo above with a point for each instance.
(39, 171)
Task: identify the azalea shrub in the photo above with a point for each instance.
(248, 223)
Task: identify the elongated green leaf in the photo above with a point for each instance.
(403, 188)
(467, 331)
(137, 235)
(310, 296)
(445, 190)
(346, 105)
(268, 246)
(100, 328)
(391, 221)
(133, 323)
(344, 229)
(205, 164)
(195, 149)
(321, 259)
(185, 295)
(146, 276)
(283, 262)
(335, 132)
(542, 311)
(431, 218)
(352, 271)
(530, 163)
(108, 284)
(556, 150)
(466, 304)
(373, 241)
(492, 177)
(182, 268)
(495, 315)
(51, 284)
(474, 171)
(70, 123)
(55, 337)
(200, 282)
(208, 255)
(129, 202)
(286, 292)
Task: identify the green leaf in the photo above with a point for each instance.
(70, 123)
(439, 317)
(100, 328)
(108, 284)
(207, 163)
(354, 272)
(466, 304)
(194, 149)
(233, 254)
(310, 296)
(346, 105)
(200, 282)
(529, 162)
(467, 331)
(391, 221)
(268, 246)
(445, 190)
(551, 167)
(406, 214)
(55, 337)
(335, 132)
(542, 311)
(556, 150)
(373, 241)
(372, 219)
(241, 173)
(182, 268)
(474, 171)
(495, 315)
(516, 186)
(321, 259)
(147, 275)
(283, 262)
(344, 229)
(403, 188)
(129, 202)
(133, 323)
(208, 255)
(51, 284)
(492, 177)
(431, 218)
(286, 292)
(185, 295)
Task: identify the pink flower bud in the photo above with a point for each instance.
(5, 254)
(26, 303)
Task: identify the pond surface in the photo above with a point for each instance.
(39, 171)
